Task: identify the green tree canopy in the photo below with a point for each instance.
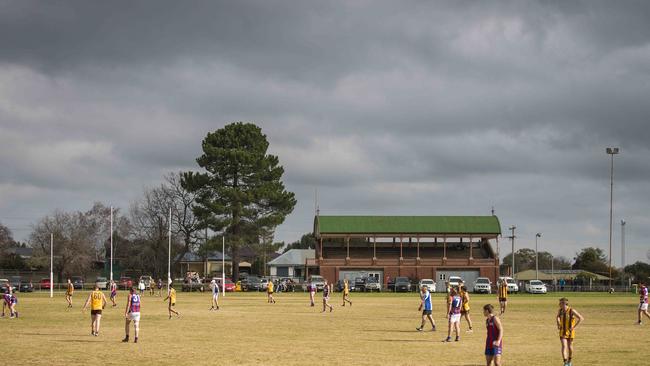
(593, 260)
(525, 260)
(307, 241)
(241, 192)
(640, 271)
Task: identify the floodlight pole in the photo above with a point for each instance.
(537, 236)
(611, 151)
(512, 238)
(51, 265)
(169, 251)
(111, 244)
(223, 265)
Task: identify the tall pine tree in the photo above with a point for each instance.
(241, 192)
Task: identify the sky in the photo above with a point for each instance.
(383, 107)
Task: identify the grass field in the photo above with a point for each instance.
(378, 330)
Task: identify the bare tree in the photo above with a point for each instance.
(75, 236)
(184, 223)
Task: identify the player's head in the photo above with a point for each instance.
(452, 291)
(96, 287)
(641, 284)
(132, 290)
(564, 302)
(463, 288)
(423, 289)
(488, 309)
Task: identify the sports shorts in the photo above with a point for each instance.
(454, 318)
(95, 312)
(134, 316)
(426, 312)
(643, 306)
(493, 351)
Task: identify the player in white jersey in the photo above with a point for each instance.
(214, 305)
(643, 301)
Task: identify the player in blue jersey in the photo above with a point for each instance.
(426, 307)
(326, 297)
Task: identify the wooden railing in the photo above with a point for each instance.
(365, 262)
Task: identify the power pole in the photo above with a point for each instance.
(623, 243)
(512, 238)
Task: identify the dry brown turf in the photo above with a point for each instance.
(378, 330)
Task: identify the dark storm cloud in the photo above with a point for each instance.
(388, 107)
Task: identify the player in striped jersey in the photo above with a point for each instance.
(502, 293)
(453, 314)
(643, 301)
(493, 341)
(425, 303)
(132, 313)
(568, 320)
(68, 293)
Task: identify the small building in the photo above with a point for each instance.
(570, 276)
(204, 266)
(418, 247)
(22, 252)
(295, 263)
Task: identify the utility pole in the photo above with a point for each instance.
(611, 151)
(512, 238)
(622, 243)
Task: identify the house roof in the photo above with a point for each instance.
(566, 274)
(212, 256)
(23, 252)
(294, 257)
(432, 225)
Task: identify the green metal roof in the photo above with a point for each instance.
(466, 225)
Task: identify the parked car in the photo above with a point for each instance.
(372, 284)
(102, 283)
(45, 283)
(535, 287)
(147, 281)
(252, 283)
(77, 282)
(317, 281)
(454, 281)
(126, 283)
(15, 282)
(512, 284)
(264, 283)
(26, 286)
(402, 284)
(360, 284)
(229, 286)
(192, 284)
(483, 285)
(428, 283)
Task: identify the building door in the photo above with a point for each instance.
(468, 276)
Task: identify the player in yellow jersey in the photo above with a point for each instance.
(97, 302)
(502, 293)
(269, 292)
(568, 320)
(464, 310)
(171, 296)
(346, 292)
(68, 293)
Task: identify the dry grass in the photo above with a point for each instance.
(378, 329)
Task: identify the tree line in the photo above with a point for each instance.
(237, 194)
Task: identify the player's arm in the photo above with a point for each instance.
(497, 323)
(579, 318)
(558, 320)
(448, 308)
(103, 301)
(128, 305)
(87, 302)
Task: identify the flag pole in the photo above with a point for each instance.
(111, 244)
(51, 265)
(223, 265)
(169, 251)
